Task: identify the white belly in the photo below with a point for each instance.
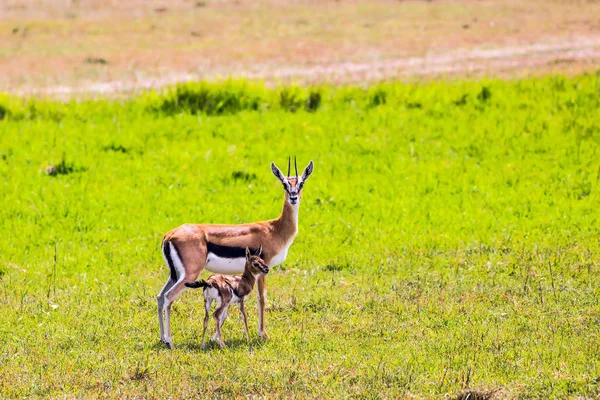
(227, 266)
(279, 258)
(212, 294)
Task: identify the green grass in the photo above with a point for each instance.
(449, 240)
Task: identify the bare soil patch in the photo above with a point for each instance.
(105, 46)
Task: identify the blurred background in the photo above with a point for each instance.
(69, 47)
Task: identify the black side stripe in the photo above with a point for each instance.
(167, 253)
(229, 251)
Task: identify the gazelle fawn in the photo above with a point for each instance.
(227, 290)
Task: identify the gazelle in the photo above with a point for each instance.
(220, 249)
(228, 290)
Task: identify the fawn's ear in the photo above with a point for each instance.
(247, 253)
(259, 251)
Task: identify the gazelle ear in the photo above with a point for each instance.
(277, 172)
(247, 253)
(308, 171)
(259, 251)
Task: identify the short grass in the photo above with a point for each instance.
(448, 240)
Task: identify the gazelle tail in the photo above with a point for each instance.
(196, 284)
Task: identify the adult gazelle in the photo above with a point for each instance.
(221, 249)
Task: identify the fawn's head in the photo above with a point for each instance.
(255, 264)
(292, 184)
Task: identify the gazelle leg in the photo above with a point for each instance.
(160, 300)
(170, 297)
(207, 303)
(243, 312)
(219, 319)
(261, 293)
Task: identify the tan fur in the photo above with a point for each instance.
(191, 239)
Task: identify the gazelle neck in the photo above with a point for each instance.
(287, 223)
(249, 279)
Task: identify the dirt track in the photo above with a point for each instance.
(581, 53)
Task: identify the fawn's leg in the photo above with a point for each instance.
(221, 322)
(222, 310)
(207, 303)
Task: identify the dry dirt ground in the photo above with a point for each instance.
(71, 47)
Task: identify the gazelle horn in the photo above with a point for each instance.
(296, 166)
(289, 158)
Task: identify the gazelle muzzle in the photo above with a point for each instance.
(293, 196)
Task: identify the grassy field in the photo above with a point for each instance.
(449, 240)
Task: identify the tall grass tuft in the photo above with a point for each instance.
(212, 98)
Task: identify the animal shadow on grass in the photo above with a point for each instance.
(157, 345)
(478, 394)
(239, 343)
